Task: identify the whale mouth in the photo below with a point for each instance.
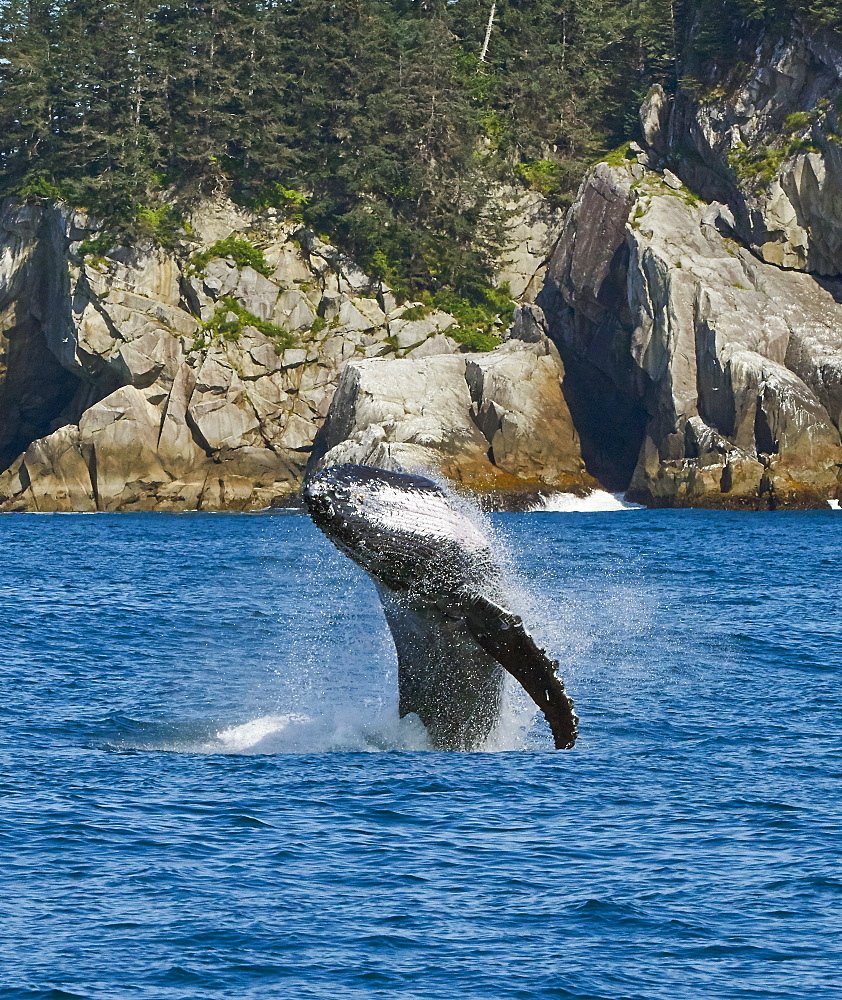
(319, 503)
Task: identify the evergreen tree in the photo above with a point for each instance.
(395, 118)
(26, 112)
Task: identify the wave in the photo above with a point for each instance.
(598, 500)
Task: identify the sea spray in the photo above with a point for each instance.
(572, 503)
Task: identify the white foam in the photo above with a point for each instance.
(352, 729)
(834, 505)
(598, 500)
(241, 738)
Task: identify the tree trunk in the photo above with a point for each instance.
(488, 32)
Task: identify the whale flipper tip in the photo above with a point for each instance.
(502, 635)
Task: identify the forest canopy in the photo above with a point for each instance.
(376, 120)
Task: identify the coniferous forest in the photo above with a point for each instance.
(387, 124)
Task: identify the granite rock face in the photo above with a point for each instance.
(692, 298)
(697, 374)
(488, 422)
(534, 227)
(115, 394)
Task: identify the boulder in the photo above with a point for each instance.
(519, 406)
(51, 475)
(157, 408)
(654, 115)
(119, 438)
(489, 422)
(256, 293)
(154, 357)
(219, 412)
(220, 277)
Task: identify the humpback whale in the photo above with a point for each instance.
(442, 594)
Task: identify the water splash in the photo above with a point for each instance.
(352, 730)
(598, 500)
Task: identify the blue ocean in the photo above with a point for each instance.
(207, 791)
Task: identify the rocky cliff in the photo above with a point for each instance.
(765, 138)
(135, 379)
(679, 335)
(724, 371)
(695, 292)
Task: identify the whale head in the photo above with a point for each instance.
(404, 530)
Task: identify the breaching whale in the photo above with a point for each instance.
(442, 590)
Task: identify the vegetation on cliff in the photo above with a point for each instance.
(386, 124)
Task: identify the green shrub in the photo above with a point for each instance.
(35, 186)
(618, 157)
(476, 340)
(493, 126)
(756, 166)
(540, 175)
(98, 246)
(378, 265)
(220, 327)
(276, 195)
(759, 166)
(478, 317)
(415, 312)
(796, 122)
(243, 253)
(162, 224)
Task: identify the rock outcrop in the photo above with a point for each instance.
(488, 422)
(693, 301)
(703, 374)
(129, 383)
(136, 379)
(695, 292)
(534, 226)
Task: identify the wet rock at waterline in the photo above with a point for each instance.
(494, 422)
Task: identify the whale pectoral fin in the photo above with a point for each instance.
(502, 635)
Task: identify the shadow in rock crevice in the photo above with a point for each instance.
(611, 426)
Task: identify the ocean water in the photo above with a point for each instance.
(205, 791)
